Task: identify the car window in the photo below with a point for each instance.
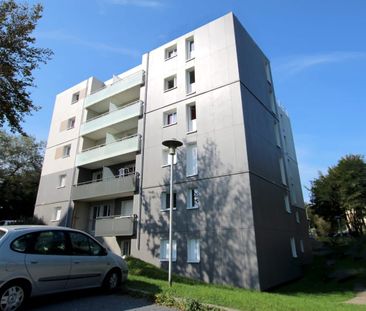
(2, 233)
(82, 245)
(50, 243)
(23, 244)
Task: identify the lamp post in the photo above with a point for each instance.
(172, 144)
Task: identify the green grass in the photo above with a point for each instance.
(313, 292)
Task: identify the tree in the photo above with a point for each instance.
(341, 194)
(20, 168)
(18, 59)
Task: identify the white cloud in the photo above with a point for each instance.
(139, 3)
(295, 64)
(71, 39)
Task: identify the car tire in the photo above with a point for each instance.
(13, 296)
(112, 280)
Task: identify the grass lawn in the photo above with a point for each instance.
(315, 291)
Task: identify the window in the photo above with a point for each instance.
(287, 204)
(282, 170)
(170, 117)
(191, 117)
(50, 243)
(192, 198)
(97, 175)
(71, 123)
(268, 72)
(165, 201)
(100, 211)
(191, 160)
(66, 151)
(57, 213)
(82, 245)
(167, 158)
(126, 248)
(293, 247)
(193, 251)
(164, 250)
(190, 48)
(23, 244)
(171, 52)
(75, 97)
(127, 208)
(191, 81)
(297, 217)
(293, 193)
(302, 246)
(277, 134)
(61, 181)
(170, 83)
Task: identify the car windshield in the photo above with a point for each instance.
(2, 233)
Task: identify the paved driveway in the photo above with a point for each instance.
(91, 300)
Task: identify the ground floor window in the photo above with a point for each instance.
(164, 250)
(193, 250)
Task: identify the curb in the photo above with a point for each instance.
(149, 295)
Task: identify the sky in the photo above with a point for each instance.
(317, 50)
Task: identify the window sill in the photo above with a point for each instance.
(191, 132)
(168, 90)
(74, 102)
(55, 220)
(167, 125)
(188, 60)
(193, 175)
(168, 58)
(167, 210)
(167, 165)
(191, 93)
(194, 207)
(66, 156)
(166, 260)
(60, 187)
(193, 261)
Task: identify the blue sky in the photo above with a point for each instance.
(317, 50)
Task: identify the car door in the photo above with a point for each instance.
(48, 261)
(89, 262)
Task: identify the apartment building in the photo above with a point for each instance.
(239, 215)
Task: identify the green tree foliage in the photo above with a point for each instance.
(340, 195)
(18, 59)
(20, 168)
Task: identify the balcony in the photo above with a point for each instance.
(104, 189)
(121, 150)
(120, 117)
(115, 226)
(124, 84)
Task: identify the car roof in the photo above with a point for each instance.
(33, 228)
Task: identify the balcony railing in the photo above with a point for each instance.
(111, 118)
(107, 188)
(115, 88)
(115, 226)
(102, 152)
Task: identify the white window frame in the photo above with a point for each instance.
(190, 86)
(166, 158)
(165, 201)
(191, 157)
(71, 123)
(190, 52)
(170, 117)
(166, 83)
(287, 204)
(196, 245)
(62, 181)
(293, 247)
(57, 213)
(164, 250)
(193, 198)
(66, 151)
(75, 97)
(302, 246)
(277, 134)
(191, 123)
(173, 50)
(282, 171)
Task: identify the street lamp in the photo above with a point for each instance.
(172, 144)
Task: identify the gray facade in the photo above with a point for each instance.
(239, 215)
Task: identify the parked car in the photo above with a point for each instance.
(37, 260)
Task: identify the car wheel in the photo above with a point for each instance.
(112, 280)
(13, 297)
